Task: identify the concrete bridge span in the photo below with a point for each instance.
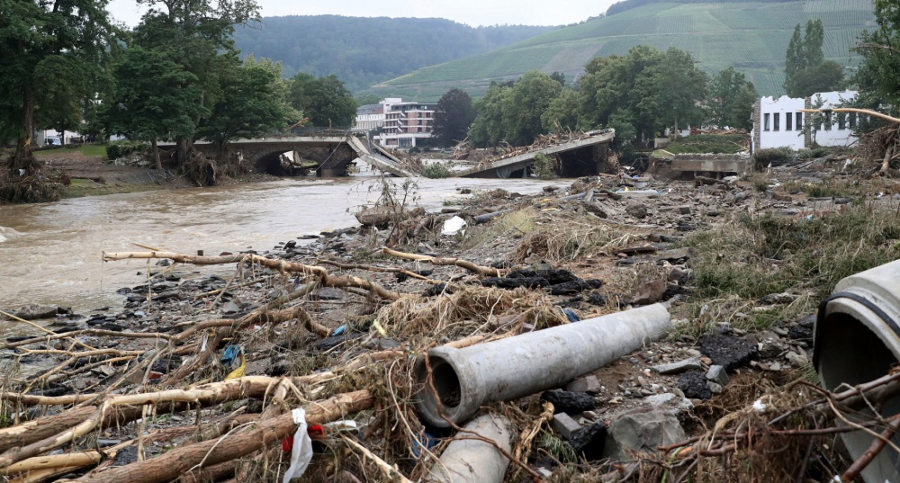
(327, 152)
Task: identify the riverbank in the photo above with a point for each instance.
(738, 263)
(90, 173)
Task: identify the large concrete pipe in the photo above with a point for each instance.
(465, 379)
(857, 339)
(474, 460)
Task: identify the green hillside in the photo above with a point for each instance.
(750, 36)
(364, 51)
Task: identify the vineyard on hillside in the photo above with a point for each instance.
(752, 37)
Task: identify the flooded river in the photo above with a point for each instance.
(51, 252)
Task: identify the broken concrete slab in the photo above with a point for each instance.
(691, 364)
(717, 374)
(563, 424)
(589, 384)
(670, 400)
(641, 430)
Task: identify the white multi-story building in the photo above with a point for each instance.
(369, 117)
(780, 123)
(403, 124)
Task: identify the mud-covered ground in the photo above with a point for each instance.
(742, 327)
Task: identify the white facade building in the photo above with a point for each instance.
(369, 117)
(402, 124)
(780, 123)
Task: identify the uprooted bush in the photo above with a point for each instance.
(436, 171)
(773, 157)
(208, 171)
(118, 149)
(27, 184)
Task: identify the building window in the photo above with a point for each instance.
(766, 121)
(828, 121)
(787, 121)
(776, 126)
(799, 122)
(852, 120)
(842, 121)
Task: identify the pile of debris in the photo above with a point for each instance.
(544, 338)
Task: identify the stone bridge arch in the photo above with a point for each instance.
(328, 157)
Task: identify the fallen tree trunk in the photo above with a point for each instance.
(37, 439)
(173, 464)
(320, 273)
(487, 271)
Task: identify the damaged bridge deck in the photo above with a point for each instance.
(329, 153)
(581, 157)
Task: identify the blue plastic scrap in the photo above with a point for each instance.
(231, 353)
(340, 330)
(430, 442)
(571, 315)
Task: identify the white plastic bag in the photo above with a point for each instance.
(453, 226)
(301, 453)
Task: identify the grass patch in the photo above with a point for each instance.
(80, 188)
(739, 263)
(709, 143)
(515, 224)
(98, 150)
(564, 239)
(436, 171)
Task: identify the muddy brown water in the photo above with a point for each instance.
(50, 253)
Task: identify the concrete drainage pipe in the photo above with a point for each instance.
(474, 460)
(857, 339)
(465, 379)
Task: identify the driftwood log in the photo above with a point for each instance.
(319, 273)
(207, 454)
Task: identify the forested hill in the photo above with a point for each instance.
(364, 51)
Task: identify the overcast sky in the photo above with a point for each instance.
(472, 12)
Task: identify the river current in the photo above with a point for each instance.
(50, 253)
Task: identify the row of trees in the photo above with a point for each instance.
(174, 77)
(639, 94)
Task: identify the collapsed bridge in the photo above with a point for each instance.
(329, 152)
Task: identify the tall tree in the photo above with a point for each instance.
(487, 129)
(452, 117)
(563, 111)
(794, 57)
(154, 99)
(806, 70)
(813, 42)
(680, 87)
(50, 50)
(642, 92)
(878, 76)
(530, 97)
(730, 99)
(196, 34)
(249, 105)
(325, 101)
